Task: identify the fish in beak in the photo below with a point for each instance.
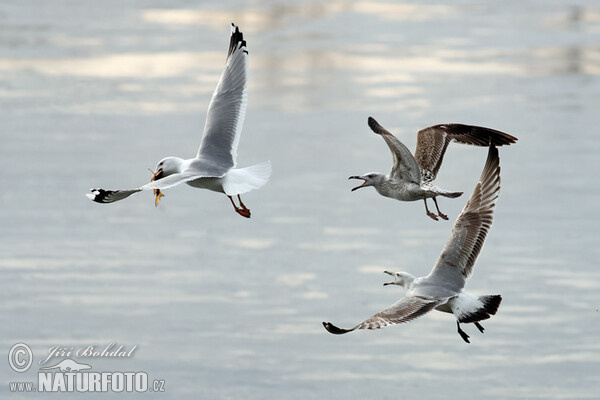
(358, 187)
(156, 176)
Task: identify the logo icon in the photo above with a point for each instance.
(68, 365)
(20, 357)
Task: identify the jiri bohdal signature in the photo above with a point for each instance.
(91, 351)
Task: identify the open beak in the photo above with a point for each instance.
(358, 187)
(156, 176)
(391, 274)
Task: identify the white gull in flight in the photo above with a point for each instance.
(442, 289)
(213, 167)
(412, 177)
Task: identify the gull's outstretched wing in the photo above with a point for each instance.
(432, 143)
(227, 108)
(455, 264)
(404, 165)
(110, 196)
(404, 310)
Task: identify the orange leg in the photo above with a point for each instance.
(243, 210)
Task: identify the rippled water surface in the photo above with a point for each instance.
(93, 93)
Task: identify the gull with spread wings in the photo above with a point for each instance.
(412, 177)
(214, 166)
(442, 289)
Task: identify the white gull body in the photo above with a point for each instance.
(214, 166)
(412, 177)
(443, 288)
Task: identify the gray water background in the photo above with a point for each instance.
(93, 93)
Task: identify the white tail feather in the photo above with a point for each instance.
(243, 180)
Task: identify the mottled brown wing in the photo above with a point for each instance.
(432, 143)
(404, 166)
(455, 264)
(404, 310)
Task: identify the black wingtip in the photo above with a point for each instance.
(99, 195)
(334, 329)
(237, 37)
(500, 138)
(475, 135)
(375, 127)
(496, 137)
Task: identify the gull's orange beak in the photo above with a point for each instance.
(156, 176)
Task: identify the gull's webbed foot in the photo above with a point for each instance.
(242, 210)
(433, 216)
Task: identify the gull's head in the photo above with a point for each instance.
(167, 166)
(400, 278)
(370, 179)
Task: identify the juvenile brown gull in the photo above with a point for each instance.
(442, 289)
(412, 177)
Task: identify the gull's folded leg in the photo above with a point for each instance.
(244, 212)
(432, 215)
(462, 333)
(478, 325)
(442, 215)
(242, 204)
